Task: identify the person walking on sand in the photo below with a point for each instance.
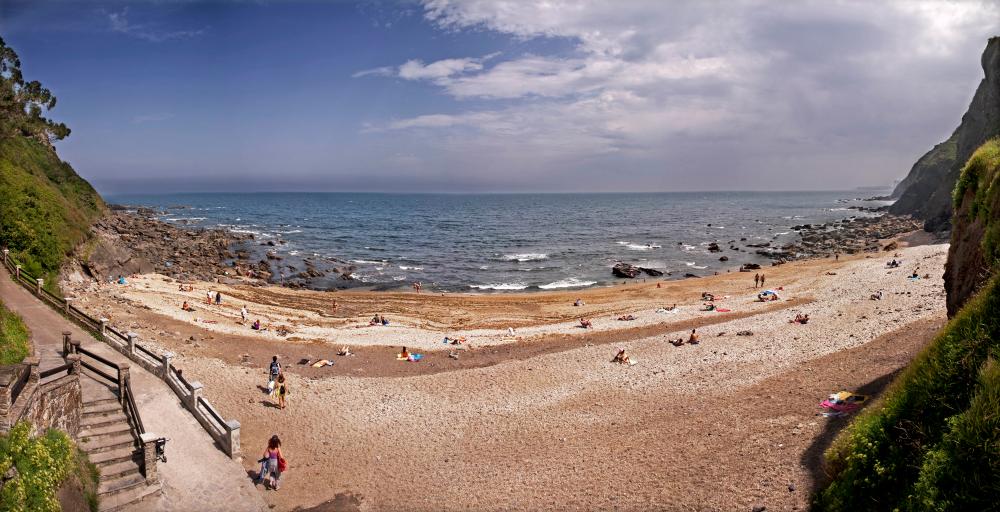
(762, 280)
(208, 297)
(272, 463)
(274, 370)
(282, 390)
(218, 298)
(243, 314)
(756, 280)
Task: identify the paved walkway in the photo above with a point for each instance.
(197, 476)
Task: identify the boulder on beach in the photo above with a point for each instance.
(651, 271)
(625, 270)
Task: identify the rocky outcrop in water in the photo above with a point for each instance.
(925, 193)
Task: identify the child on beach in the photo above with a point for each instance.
(208, 297)
(243, 314)
(282, 390)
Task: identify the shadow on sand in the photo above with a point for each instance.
(813, 457)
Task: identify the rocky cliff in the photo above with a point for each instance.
(926, 192)
(975, 239)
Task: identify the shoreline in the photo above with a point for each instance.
(269, 262)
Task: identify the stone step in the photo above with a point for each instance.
(119, 469)
(121, 500)
(95, 401)
(105, 443)
(96, 421)
(101, 409)
(114, 428)
(119, 484)
(109, 457)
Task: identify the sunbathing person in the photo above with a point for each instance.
(708, 307)
(622, 358)
(186, 306)
(579, 302)
(678, 342)
(256, 325)
(626, 318)
(671, 308)
(694, 338)
(585, 323)
(707, 296)
(405, 354)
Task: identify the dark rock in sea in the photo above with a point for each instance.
(651, 271)
(750, 266)
(724, 258)
(713, 247)
(690, 275)
(625, 270)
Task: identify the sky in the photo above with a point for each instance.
(500, 95)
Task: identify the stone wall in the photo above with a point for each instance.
(58, 404)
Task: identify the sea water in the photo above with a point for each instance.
(505, 242)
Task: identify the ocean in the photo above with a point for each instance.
(505, 242)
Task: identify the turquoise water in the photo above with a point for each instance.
(505, 241)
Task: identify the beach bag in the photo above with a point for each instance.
(282, 464)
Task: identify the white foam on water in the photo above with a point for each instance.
(523, 257)
(567, 283)
(499, 286)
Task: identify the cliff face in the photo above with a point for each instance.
(975, 239)
(926, 192)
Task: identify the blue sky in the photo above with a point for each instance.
(487, 95)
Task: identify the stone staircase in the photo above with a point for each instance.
(106, 437)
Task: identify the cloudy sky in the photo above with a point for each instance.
(501, 95)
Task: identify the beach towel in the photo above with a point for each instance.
(723, 310)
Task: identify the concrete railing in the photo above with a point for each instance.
(226, 433)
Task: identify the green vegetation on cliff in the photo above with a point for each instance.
(15, 343)
(981, 178)
(934, 441)
(46, 209)
(43, 464)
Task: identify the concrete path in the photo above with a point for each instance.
(197, 475)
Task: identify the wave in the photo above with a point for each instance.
(689, 263)
(528, 256)
(689, 247)
(404, 267)
(289, 232)
(369, 262)
(399, 278)
(567, 283)
(499, 286)
(782, 233)
(699, 267)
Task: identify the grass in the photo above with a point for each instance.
(43, 464)
(15, 341)
(934, 444)
(47, 209)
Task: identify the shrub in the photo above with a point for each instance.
(15, 342)
(42, 463)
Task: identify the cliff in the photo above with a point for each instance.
(46, 209)
(933, 441)
(925, 193)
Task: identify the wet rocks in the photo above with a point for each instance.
(713, 247)
(625, 270)
(651, 271)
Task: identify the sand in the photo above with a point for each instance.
(543, 419)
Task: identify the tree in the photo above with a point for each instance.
(22, 103)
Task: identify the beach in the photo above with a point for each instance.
(542, 419)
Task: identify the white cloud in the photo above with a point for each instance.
(120, 23)
(662, 81)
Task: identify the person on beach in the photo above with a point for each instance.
(756, 280)
(208, 297)
(694, 338)
(762, 280)
(271, 462)
(384, 321)
(243, 314)
(186, 306)
(585, 323)
(273, 371)
(256, 325)
(218, 298)
(282, 390)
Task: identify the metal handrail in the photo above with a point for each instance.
(20, 383)
(211, 410)
(131, 409)
(58, 369)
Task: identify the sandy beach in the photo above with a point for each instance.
(543, 419)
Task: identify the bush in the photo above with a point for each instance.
(15, 342)
(42, 463)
